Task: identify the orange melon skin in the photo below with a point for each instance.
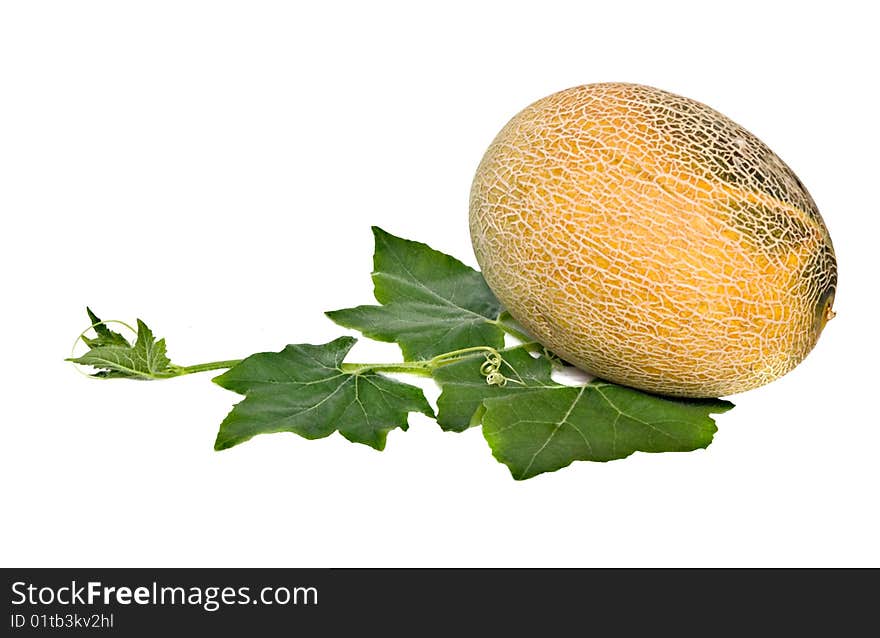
(652, 242)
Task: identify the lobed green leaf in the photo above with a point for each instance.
(548, 428)
(534, 424)
(303, 389)
(431, 302)
(115, 358)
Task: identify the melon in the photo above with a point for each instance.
(651, 241)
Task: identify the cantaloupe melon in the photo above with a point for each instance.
(651, 241)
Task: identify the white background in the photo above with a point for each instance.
(214, 168)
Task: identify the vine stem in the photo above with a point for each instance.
(419, 368)
(204, 367)
(422, 368)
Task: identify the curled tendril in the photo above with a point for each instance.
(491, 370)
(490, 365)
(496, 378)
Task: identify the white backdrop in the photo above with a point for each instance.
(214, 168)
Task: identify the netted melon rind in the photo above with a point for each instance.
(652, 241)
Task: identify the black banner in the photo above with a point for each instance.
(269, 602)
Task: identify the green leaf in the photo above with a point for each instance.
(431, 302)
(116, 358)
(105, 336)
(534, 424)
(546, 429)
(464, 387)
(304, 389)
